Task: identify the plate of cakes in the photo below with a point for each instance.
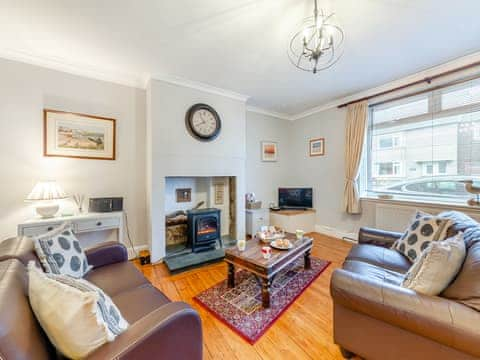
(281, 244)
(270, 233)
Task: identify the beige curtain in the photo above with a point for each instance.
(354, 139)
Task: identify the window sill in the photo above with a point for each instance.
(422, 202)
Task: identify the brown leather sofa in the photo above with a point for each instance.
(159, 328)
(376, 318)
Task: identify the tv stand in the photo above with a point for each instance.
(294, 219)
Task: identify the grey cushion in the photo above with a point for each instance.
(60, 252)
(423, 229)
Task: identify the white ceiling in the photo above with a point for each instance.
(240, 45)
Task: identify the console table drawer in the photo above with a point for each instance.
(39, 229)
(96, 224)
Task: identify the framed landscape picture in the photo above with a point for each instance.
(269, 151)
(317, 147)
(67, 134)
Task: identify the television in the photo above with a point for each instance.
(301, 198)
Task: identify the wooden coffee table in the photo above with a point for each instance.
(251, 259)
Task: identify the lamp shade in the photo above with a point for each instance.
(46, 190)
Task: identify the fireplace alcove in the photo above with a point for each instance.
(197, 232)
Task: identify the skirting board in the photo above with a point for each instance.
(131, 253)
(336, 233)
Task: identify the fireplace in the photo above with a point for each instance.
(203, 229)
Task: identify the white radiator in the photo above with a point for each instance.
(397, 217)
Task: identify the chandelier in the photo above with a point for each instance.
(317, 46)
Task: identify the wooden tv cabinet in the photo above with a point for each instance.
(291, 220)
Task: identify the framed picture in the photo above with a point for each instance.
(184, 195)
(317, 147)
(219, 193)
(269, 151)
(74, 135)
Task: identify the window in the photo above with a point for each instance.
(388, 169)
(389, 141)
(423, 146)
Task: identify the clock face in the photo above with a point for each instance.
(203, 122)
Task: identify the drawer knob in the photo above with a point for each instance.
(50, 228)
(99, 223)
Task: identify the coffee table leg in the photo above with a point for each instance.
(308, 263)
(231, 275)
(266, 292)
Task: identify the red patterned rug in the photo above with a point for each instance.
(241, 308)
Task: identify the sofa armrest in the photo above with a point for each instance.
(439, 319)
(173, 331)
(377, 237)
(106, 253)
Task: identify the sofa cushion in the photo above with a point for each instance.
(21, 336)
(423, 229)
(380, 256)
(139, 302)
(373, 272)
(60, 252)
(466, 286)
(115, 278)
(433, 271)
(77, 316)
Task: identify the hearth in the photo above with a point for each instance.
(203, 229)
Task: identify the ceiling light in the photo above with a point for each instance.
(318, 45)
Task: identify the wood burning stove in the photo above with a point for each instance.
(203, 229)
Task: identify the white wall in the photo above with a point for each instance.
(326, 173)
(175, 153)
(264, 178)
(24, 92)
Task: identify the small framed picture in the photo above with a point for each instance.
(317, 147)
(269, 151)
(74, 135)
(184, 195)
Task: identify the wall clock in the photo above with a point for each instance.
(203, 122)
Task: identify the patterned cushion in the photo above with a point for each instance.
(77, 316)
(423, 229)
(437, 266)
(60, 253)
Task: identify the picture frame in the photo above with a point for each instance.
(269, 151)
(183, 195)
(76, 135)
(317, 147)
(219, 192)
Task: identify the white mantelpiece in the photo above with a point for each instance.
(172, 152)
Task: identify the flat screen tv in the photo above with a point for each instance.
(295, 198)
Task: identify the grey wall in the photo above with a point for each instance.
(326, 173)
(24, 92)
(173, 152)
(264, 178)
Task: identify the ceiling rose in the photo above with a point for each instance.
(318, 44)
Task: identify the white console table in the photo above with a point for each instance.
(292, 220)
(90, 228)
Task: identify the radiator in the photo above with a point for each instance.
(397, 217)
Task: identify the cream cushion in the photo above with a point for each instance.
(70, 316)
(437, 266)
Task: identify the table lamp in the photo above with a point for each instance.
(46, 192)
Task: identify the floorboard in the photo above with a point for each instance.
(304, 331)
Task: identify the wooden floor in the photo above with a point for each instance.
(304, 331)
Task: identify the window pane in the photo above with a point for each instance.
(400, 111)
(426, 156)
(466, 94)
